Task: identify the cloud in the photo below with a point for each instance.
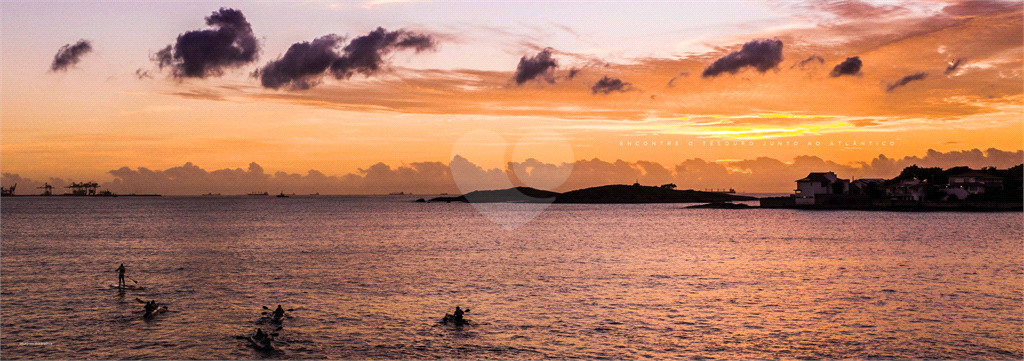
(364, 54)
(420, 178)
(671, 82)
(202, 53)
(607, 85)
(762, 174)
(978, 97)
(809, 60)
(539, 65)
(69, 55)
(762, 54)
(30, 186)
(953, 65)
(904, 80)
(304, 64)
(971, 8)
(850, 66)
(573, 72)
(142, 74)
(859, 9)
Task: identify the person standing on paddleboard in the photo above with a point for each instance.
(120, 276)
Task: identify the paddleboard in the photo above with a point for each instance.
(128, 287)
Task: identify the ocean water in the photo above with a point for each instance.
(369, 278)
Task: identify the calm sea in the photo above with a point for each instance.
(369, 277)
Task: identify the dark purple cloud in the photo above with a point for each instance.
(541, 64)
(69, 55)
(762, 55)
(365, 54)
(305, 63)
(954, 65)
(607, 85)
(573, 72)
(850, 66)
(202, 53)
(907, 79)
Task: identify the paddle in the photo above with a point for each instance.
(268, 309)
(133, 280)
(289, 309)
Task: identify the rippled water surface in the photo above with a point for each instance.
(369, 277)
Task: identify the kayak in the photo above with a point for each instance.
(451, 320)
(159, 310)
(264, 345)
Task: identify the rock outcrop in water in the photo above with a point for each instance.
(604, 194)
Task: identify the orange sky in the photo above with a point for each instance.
(97, 115)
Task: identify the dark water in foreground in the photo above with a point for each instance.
(369, 278)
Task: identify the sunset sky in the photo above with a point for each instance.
(726, 82)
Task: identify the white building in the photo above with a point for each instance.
(908, 190)
(974, 182)
(819, 183)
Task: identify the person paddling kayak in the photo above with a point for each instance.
(457, 319)
(120, 277)
(151, 308)
(259, 336)
(278, 313)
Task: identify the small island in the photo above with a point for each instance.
(609, 194)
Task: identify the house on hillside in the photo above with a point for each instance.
(975, 182)
(819, 183)
(908, 190)
(866, 186)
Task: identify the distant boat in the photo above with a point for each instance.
(396, 193)
(315, 194)
(282, 195)
(259, 194)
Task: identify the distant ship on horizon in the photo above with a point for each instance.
(258, 194)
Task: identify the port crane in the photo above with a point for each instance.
(84, 188)
(47, 189)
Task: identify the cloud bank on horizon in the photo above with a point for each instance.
(762, 174)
